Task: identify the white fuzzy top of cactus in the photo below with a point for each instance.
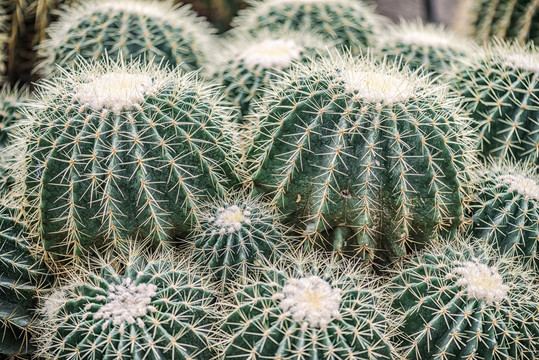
(522, 184)
(272, 53)
(144, 9)
(230, 219)
(127, 302)
(377, 87)
(481, 281)
(114, 91)
(426, 39)
(528, 62)
(310, 300)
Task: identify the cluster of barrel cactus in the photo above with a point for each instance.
(315, 184)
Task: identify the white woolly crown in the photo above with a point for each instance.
(523, 61)
(378, 87)
(277, 53)
(522, 184)
(230, 219)
(428, 35)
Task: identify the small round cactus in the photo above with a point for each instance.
(350, 23)
(253, 61)
(135, 307)
(506, 211)
(132, 29)
(119, 151)
(23, 277)
(373, 157)
(312, 309)
(429, 46)
(462, 301)
(236, 234)
(503, 19)
(500, 87)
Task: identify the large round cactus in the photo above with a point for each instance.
(369, 153)
(510, 19)
(117, 151)
(253, 61)
(350, 23)
(506, 211)
(133, 308)
(150, 30)
(22, 279)
(310, 309)
(500, 87)
(237, 234)
(429, 46)
(462, 301)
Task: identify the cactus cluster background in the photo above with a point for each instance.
(316, 182)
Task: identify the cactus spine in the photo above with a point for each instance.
(119, 150)
(129, 28)
(373, 155)
(424, 45)
(350, 23)
(136, 307)
(463, 301)
(500, 87)
(22, 279)
(506, 211)
(311, 309)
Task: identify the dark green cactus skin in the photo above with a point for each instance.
(260, 329)
(503, 101)
(505, 218)
(343, 164)
(22, 278)
(350, 23)
(177, 329)
(99, 176)
(504, 19)
(93, 31)
(442, 322)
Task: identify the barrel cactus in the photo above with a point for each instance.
(253, 61)
(509, 19)
(136, 29)
(373, 157)
(119, 151)
(312, 309)
(506, 211)
(462, 301)
(23, 279)
(137, 307)
(237, 234)
(500, 87)
(350, 23)
(429, 46)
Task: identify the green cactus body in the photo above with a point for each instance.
(461, 301)
(350, 23)
(22, 279)
(237, 234)
(153, 309)
(369, 153)
(428, 46)
(503, 19)
(311, 310)
(500, 88)
(123, 151)
(256, 60)
(129, 28)
(506, 212)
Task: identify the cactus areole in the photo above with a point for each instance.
(365, 153)
(124, 151)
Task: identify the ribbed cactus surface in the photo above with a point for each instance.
(308, 310)
(500, 87)
(506, 211)
(153, 308)
(148, 30)
(118, 151)
(463, 301)
(22, 279)
(374, 156)
(350, 23)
